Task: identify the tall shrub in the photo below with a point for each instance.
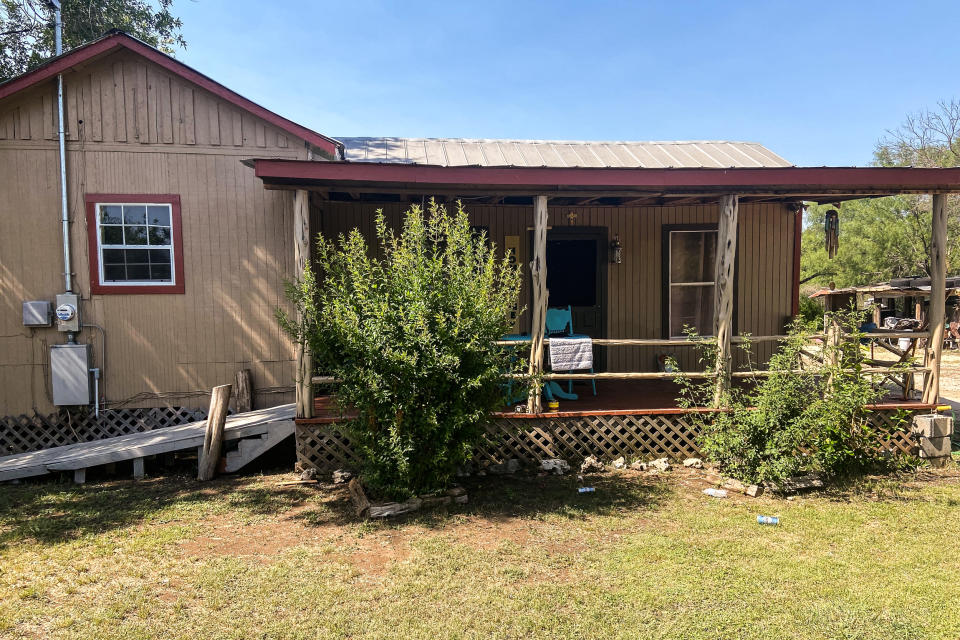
(409, 335)
(789, 422)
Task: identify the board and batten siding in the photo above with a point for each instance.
(146, 131)
(764, 280)
(125, 99)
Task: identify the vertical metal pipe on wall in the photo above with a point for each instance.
(64, 212)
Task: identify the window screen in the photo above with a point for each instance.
(136, 243)
(692, 258)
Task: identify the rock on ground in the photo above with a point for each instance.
(557, 466)
(660, 464)
(341, 476)
(620, 463)
(591, 464)
(693, 463)
(638, 466)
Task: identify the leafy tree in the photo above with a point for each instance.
(887, 238)
(409, 336)
(27, 34)
(879, 239)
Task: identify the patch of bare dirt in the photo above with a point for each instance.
(950, 378)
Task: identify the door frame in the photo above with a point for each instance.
(602, 236)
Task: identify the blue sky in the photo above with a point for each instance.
(817, 82)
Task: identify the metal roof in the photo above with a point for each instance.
(462, 152)
(913, 287)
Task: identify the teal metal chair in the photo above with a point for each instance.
(559, 322)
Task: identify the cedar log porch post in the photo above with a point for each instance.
(938, 303)
(301, 253)
(723, 292)
(538, 274)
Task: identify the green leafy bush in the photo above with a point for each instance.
(811, 311)
(409, 335)
(790, 423)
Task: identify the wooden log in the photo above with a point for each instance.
(938, 282)
(301, 253)
(360, 501)
(389, 509)
(723, 293)
(538, 274)
(244, 391)
(683, 342)
(663, 375)
(213, 436)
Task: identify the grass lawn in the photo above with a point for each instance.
(643, 557)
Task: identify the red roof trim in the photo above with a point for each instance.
(797, 179)
(118, 40)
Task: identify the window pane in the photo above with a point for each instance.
(138, 272)
(110, 214)
(114, 273)
(113, 256)
(134, 214)
(135, 235)
(692, 256)
(137, 255)
(159, 256)
(691, 307)
(160, 271)
(159, 235)
(111, 235)
(159, 216)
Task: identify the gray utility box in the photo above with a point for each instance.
(37, 313)
(68, 312)
(70, 373)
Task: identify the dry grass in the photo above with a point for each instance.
(528, 557)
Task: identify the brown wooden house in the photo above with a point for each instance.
(145, 132)
(188, 207)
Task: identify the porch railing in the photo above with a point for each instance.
(904, 369)
(910, 369)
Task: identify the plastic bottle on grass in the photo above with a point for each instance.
(772, 520)
(716, 493)
(586, 489)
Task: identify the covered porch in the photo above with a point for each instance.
(748, 281)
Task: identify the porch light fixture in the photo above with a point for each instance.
(616, 250)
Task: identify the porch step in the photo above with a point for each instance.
(248, 449)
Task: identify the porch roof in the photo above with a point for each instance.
(629, 185)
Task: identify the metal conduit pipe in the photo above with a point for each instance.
(64, 212)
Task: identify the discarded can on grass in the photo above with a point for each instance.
(716, 493)
(586, 489)
(768, 520)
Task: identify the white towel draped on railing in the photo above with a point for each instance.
(571, 354)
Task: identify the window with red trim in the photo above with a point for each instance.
(135, 243)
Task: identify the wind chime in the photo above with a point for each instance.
(831, 230)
